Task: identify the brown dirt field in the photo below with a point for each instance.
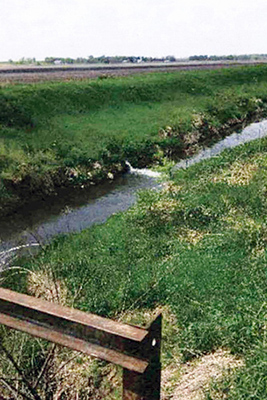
(11, 75)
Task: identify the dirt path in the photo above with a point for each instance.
(191, 380)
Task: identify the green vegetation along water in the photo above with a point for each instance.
(75, 133)
(74, 210)
(196, 249)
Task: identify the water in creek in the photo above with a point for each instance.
(252, 132)
(73, 210)
(70, 211)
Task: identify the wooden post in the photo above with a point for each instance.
(146, 386)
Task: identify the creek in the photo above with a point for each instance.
(73, 210)
(251, 132)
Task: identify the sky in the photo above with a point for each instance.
(79, 28)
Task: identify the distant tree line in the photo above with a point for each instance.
(134, 59)
(106, 60)
(242, 57)
(24, 61)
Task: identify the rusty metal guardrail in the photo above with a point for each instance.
(135, 349)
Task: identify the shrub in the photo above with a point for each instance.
(12, 113)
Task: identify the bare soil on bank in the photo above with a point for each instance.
(192, 380)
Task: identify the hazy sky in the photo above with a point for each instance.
(79, 28)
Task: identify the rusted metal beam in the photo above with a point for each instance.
(55, 310)
(88, 333)
(135, 349)
(73, 343)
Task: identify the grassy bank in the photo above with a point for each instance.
(197, 249)
(57, 134)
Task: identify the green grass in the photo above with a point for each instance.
(50, 126)
(198, 247)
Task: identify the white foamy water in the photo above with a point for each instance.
(143, 171)
(252, 132)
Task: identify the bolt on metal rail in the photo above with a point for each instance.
(135, 349)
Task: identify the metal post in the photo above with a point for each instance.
(146, 386)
